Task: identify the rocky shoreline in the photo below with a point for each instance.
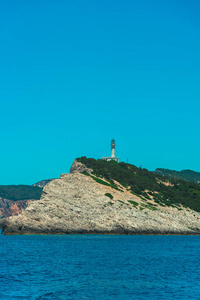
(77, 204)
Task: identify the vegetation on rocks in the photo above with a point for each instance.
(145, 184)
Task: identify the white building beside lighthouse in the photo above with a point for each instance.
(112, 157)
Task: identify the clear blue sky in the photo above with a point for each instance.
(75, 74)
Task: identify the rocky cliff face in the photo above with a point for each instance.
(10, 208)
(75, 203)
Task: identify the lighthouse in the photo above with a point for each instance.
(112, 157)
(113, 148)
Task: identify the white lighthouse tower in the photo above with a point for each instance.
(112, 157)
(113, 148)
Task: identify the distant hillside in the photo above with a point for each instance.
(42, 183)
(146, 184)
(188, 175)
(20, 192)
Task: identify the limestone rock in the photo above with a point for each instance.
(78, 167)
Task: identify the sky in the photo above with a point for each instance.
(76, 74)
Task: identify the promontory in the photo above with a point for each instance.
(107, 197)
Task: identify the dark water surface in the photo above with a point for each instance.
(99, 267)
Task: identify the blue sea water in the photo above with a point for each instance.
(99, 267)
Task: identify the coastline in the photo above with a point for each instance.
(101, 233)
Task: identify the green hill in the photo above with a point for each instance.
(145, 184)
(188, 175)
(20, 192)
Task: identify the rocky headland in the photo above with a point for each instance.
(80, 203)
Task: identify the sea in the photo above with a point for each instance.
(99, 267)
